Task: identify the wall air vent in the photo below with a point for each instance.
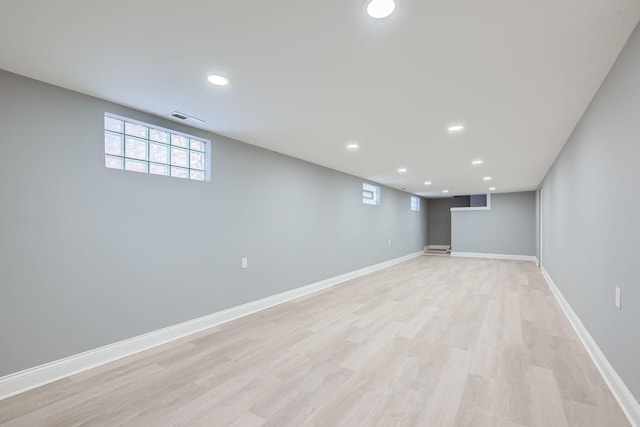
(182, 116)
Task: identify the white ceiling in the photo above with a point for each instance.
(309, 77)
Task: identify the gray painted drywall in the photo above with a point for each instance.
(90, 256)
(440, 221)
(590, 205)
(538, 217)
(507, 228)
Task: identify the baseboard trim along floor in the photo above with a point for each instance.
(623, 395)
(31, 378)
(495, 256)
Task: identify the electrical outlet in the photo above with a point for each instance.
(244, 263)
(618, 300)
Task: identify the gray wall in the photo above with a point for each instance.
(538, 211)
(440, 221)
(90, 256)
(508, 228)
(590, 205)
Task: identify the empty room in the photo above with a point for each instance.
(340, 213)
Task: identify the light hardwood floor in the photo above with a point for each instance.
(434, 341)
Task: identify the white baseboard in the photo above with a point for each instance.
(623, 395)
(495, 256)
(31, 378)
(438, 247)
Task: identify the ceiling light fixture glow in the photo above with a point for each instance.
(218, 80)
(487, 178)
(353, 146)
(380, 8)
(402, 170)
(455, 128)
(445, 191)
(427, 183)
(492, 188)
(477, 162)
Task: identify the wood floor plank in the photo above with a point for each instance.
(442, 408)
(546, 403)
(434, 341)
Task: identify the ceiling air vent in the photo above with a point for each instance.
(179, 115)
(182, 116)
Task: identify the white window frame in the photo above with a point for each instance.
(370, 194)
(415, 203)
(169, 145)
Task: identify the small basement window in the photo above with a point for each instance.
(473, 202)
(370, 194)
(141, 147)
(415, 203)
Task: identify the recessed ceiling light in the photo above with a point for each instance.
(455, 128)
(477, 162)
(402, 170)
(427, 183)
(218, 80)
(352, 146)
(487, 178)
(492, 188)
(380, 8)
(445, 191)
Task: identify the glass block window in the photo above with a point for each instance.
(140, 147)
(370, 194)
(415, 203)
